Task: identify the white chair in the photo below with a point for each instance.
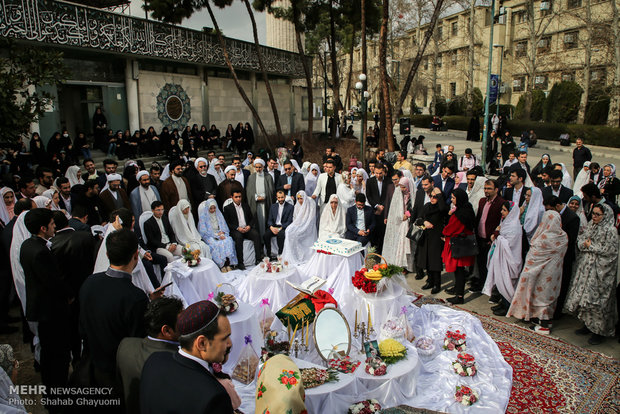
(248, 247)
(143, 218)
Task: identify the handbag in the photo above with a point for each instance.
(414, 233)
(463, 246)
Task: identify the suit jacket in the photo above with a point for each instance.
(77, 225)
(63, 205)
(287, 215)
(570, 224)
(276, 176)
(74, 252)
(494, 215)
(130, 358)
(102, 179)
(107, 200)
(418, 204)
(250, 191)
(246, 176)
(175, 392)
(230, 215)
(170, 195)
(297, 183)
(153, 234)
(565, 193)
(47, 297)
(508, 193)
(447, 190)
(372, 191)
(351, 219)
(321, 183)
(136, 202)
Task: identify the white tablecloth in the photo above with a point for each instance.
(259, 284)
(243, 322)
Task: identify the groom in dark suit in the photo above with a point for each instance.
(377, 189)
(280, 217)
(360, 220)
(242, 227)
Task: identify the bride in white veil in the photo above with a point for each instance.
(301, 233)
(185, 230)
(397, 248)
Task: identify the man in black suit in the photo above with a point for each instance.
(330, 152)
(160, 321)
(79, 219)
(570, 225)
(445, 182)
(522, 161)
(93, 174)
(272, 169)
(242, 174)
(74, 252)
(556, 188)
(170, 379)
(64, 192)
(88, 196)
(159, 235)
(290, 182)
(280, 217)
(47, 299)
(360, 220)
(422, 196)
(516, 193)
(111, 307)
(242, 227)
(377, 189)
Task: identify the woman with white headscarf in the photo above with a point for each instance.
(296, 166)
(301, 233)
(43, 202)
(305, 168)
(74, 175)
(567, 181)
(214, 231)
(397, 248)
(412, 188)
(346, 192)
(359, 181)
(312, 178)
(182, 223)
(54, 195)
(333, 220)
(504, 260)
(7, 204)
(533, 211)
(582, 178)
(476, 193)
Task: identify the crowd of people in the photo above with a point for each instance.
(84, 248)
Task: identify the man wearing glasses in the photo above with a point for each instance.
(556, 188)
(290, 182)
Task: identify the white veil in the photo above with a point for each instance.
(396, 245)
(20, 234)
(477, 193)
(301, 233)
(185, 229)
(535, 210)
(4, 212)
(332, 225)
(346, 194)
(582, 179)
(71, 175)
(567, 181)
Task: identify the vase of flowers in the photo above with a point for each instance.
(465, 395)
(190, 257)
(465, 365)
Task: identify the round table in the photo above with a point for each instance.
(243, 322)
(259, 285)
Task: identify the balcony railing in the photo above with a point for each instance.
(71, 25)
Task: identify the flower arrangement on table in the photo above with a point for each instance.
(369, 278)
(314, 377)
(465, 365)
(224, 298)
(375, 367)
(190, 257)
(273, 267)
(324, 252)
(365, 407)
(455, 340)
(344, 364)
(273, 347)
(465, 395)
(392, 351)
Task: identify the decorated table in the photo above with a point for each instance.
(260, 283)
(337, 270)
(243, 322)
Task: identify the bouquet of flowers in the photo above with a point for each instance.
(345, 364)
(455, 340)
(465, 365)
(465, 395)
(425, 346)
(313, 377)
(368, 277)
(273, 347)
(375, 366)
(365, 407)
(392, 351)
(191, 257)
(361, 282)
(224, 298)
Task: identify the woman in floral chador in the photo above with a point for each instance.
(591, 296)
(279, 388)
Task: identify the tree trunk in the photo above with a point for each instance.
(434, 75)
(531, 62)
(470, 63)
(347, 102)
(613, 117)
(334, 60)
(259, 54)
(300, 48)
(385, 87)
(364, 107)
(418, 58)
(583, 104)
(234, 75)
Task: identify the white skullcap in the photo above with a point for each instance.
(230, 168)
(114, 177)
(259, 161)
(198, 161)
(141, 174)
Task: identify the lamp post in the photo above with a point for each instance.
(499, 86)
(485, 129)
(364, 95)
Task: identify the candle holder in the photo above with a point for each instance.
(296, 347)
(361, 331)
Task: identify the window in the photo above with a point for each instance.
(571, 40)
(540, 82)
(425, 63)
(520, 16)
(568, 76)
(439, 61)
(521, 49)
(487, 17)
(414, 40)
(598, 75)
(455, 28)
(518, 84)
(546, 7)
(452, 89)
(544, 44)
(438, 90)
(454, 57)
(573, 4)
(439, 32)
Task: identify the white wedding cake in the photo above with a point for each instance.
(341, 247)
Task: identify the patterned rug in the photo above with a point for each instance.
(549, 375)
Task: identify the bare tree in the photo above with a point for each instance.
(385, 87)
(613, 118)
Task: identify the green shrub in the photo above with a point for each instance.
(457, 122)
(536, 112)
(520, 108)
(597, 109)
(505, 110)
(478, 102)
(562, 103)
(592, 134)
(440, 106)
(457, 106)
(421, 121)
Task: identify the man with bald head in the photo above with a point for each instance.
(143, 196)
